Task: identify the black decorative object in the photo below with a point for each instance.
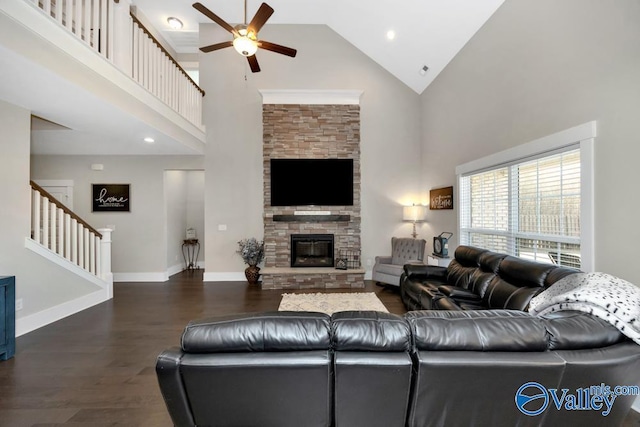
(341, 263)
(441, 244)
(110, 198)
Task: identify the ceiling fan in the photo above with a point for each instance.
(245, 37)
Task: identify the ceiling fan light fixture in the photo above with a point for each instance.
(245, 46)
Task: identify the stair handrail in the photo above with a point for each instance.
(66, 210)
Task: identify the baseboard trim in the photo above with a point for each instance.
(174, 269)
(42, 318)
(224, 276)
(141, 277)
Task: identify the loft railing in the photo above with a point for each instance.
(155, 69)
(60, 230)
(111, 30)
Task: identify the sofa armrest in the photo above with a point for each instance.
(427, 271)
(172, 387)
(383, 260)
(458, 293)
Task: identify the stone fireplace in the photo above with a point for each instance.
(312, 250)
(316, 131)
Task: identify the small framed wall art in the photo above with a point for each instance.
(441, 198)
(110, 198)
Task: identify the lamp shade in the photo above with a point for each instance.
(415, 213)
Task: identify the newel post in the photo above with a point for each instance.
(105, 258)
(123, 36)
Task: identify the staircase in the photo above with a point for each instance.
(66, 239)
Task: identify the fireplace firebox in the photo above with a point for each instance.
(312, 250)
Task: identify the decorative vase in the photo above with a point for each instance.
(252, 273)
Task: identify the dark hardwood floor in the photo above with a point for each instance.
(97, 368)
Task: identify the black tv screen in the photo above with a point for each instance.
(306, 182)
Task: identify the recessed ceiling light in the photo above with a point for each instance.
(149, 140)
(391, 34)
(174, 23)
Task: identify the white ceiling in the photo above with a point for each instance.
(428, 32)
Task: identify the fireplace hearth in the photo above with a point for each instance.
(312, 250)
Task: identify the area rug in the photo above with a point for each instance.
(330, 303)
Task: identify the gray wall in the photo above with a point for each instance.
(175, 202)
(40, 283)
(538, 67)
(140, 237)
(390, 133)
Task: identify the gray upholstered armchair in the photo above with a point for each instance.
(388, 269)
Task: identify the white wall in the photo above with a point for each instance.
(538, 67)
(39, 283)
(139, 248)
(390, 133)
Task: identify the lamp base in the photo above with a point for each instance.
(414, 234)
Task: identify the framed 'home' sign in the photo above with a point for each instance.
(110, 198)
(441, 198)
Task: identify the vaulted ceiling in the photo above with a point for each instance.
(426, 32)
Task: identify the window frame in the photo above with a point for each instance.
(582, 136)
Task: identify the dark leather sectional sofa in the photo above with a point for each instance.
(427, 368)
(477, 279)
(460, 366)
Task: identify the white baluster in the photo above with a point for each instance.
(96, 28)
(68, 14)
(67, 236)
(53, 226)
(45, 222)
(77, 19)
(86, 30)
(92, 252)
(80, 245)
(98, 245)
(58, 11)
(60, 237)
(36, 215)
(46, 6)
(86, 256)
(74, 241)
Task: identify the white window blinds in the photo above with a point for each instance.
(530, 208)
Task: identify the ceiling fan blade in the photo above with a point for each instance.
(216, 46)
(261, 16)
(253, 63)
(215, 18)
(277, 48)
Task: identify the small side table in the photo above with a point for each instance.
(190, 252)
(438, 260)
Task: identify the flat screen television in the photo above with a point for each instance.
(308, 182)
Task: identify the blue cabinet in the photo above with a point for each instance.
(7, 317)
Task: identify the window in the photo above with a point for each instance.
(531, 202)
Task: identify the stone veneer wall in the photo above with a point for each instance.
(309, 131)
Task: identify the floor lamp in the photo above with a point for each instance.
(415, 213)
